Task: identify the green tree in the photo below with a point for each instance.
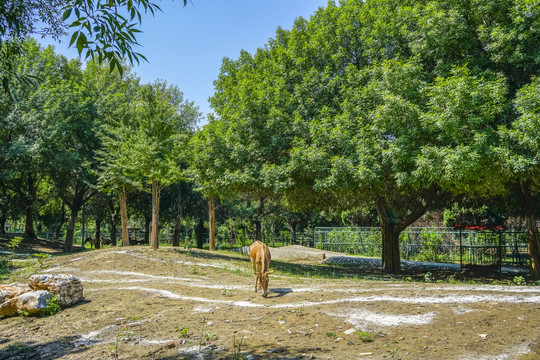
(165, 122)
(22, 160)
(68, 115)
(520, 149)
(147, 148)
(115, 171)
(496, 39)
(378, 104)
(253, 102)
(180, 201)
(209, 161)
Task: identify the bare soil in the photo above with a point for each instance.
(193, 304)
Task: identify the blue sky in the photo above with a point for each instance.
(185, 45)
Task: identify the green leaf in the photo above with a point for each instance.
(67, 13)
(73, 38)
(82, 42)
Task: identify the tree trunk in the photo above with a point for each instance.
(113, 217)
(123, 216)
(147, 223)
(30, 197)
(292, 226)
(177, 226)
(391, 261)
(212, 223)
(390, 230)
(62, 220)
(178, 222)
(3, 220)
(258, 230)
(199, 231)
(98, 233)
(68, 246)
(533, 241)
(155, 215)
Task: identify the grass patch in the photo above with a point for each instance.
(365, 336)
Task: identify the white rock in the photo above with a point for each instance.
(31, 302)
(12, 290)
(68, 288)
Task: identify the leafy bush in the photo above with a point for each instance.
(52, 306)
(431, 247)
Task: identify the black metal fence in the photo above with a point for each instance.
(443, 245)
(433, 244)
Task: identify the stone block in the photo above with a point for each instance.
(31, 302)
(12, 290)
(68, 288)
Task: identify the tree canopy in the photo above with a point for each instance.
(379, 104)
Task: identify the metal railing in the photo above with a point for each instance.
(434, 244)
(437, 244)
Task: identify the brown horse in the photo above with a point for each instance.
(260, 259)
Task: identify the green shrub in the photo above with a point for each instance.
(52, 306)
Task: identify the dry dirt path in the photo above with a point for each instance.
(176, 304)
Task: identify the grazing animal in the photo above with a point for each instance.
(105, 241)
(92, 242)
(260, 259)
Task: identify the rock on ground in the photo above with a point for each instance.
(31, 302)
(68, 288)
(12, 290)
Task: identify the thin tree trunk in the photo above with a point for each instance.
(292, 226)
(212, 223)
(155, 215)
(62, 220)
(199, 234)
(533, 240)
(177, 226)
(98, 233)
(147, 223)
(113, 217)
(124, 217)
(258, 225)
(3, 220)
(534, 245)
(258, 230)
(30, 197)
(68, 246)
(178, 222)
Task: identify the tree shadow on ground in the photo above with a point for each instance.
(240, 351)
(45, 351)
(368, 271)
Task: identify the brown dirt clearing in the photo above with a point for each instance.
(180, 304)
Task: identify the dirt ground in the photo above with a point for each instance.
(194, 304)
